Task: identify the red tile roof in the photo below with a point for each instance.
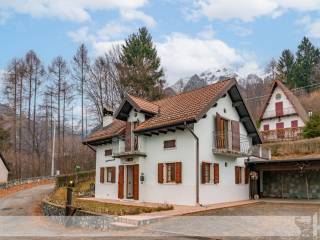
(188, 106)
(145, 105)
(116, 128)
(184, 107)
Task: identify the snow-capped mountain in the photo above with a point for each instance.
(202, 79)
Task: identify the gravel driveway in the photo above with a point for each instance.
(25, 202)
(261, 220)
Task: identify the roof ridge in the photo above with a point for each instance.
(193, 90)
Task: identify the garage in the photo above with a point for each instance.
(287, 179)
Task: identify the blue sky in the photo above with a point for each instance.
(191, 36)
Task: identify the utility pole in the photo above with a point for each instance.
(53, 147)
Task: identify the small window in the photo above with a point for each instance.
(206, 172)
(171, 172)
(169, 144)
(108, 152)
(294, 123)
(266, 127)
(278, 96)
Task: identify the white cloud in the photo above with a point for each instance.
(74, 10)
(112, 30)
(207, 32)
(313, 29)
(130, 15)
(248, 10)
(183, 56)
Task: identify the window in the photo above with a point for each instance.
(108, 152)
(266, 127)
(238, 174)
(278, 96)
(171, 172)
(206, 167)
(111, 172)
(169, 143)
(209, 173)
(279, 109)
(294, 123)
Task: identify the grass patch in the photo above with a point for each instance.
(60, 194)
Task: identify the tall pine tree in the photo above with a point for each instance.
(285, 67)
(140, 71)
(307, 58)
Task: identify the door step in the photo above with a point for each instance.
(122, 226)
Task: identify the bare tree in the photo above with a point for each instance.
(81, 67)
(59, 72)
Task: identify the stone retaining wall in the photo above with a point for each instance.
(81, 218)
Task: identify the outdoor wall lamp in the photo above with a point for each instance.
(142, 178)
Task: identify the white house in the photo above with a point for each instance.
(186, 149)
(283, 116)
(4, 170)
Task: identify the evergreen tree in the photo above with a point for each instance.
(312, 128)
(307, 57)
(285, 67)
(140, 71)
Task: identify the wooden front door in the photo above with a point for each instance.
(130, 181)
(136, 182)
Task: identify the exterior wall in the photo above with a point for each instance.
(226, 190)
(286, 105)
(3, 172)
(184, 193)
(286, 120)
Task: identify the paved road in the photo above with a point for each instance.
(292, 221)
(25, 202)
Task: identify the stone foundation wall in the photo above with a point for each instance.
(81, 218)
(291, 184)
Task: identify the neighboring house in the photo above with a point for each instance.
(283, 116)
(186, 149)
(4, 169)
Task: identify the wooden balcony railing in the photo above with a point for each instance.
(282, 134)
(229, 143)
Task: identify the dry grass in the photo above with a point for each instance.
(59, 197)
(310, 101)
(292, 149)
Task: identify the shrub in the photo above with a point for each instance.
(312, 128)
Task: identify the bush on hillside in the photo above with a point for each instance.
(312, 128)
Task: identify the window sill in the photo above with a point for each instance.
(173, 148)
(170, 183)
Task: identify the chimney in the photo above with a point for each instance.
(107, 116)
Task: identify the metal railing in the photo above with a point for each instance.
(282, 134)
(275, 113)
(231, 143)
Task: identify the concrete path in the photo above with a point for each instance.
(25, 202)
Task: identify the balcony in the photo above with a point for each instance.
(279, 113)
(231, 144)
(130, 149)
(282, 134)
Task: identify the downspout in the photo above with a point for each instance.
(197, 161)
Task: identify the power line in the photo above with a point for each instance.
(292, 90)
